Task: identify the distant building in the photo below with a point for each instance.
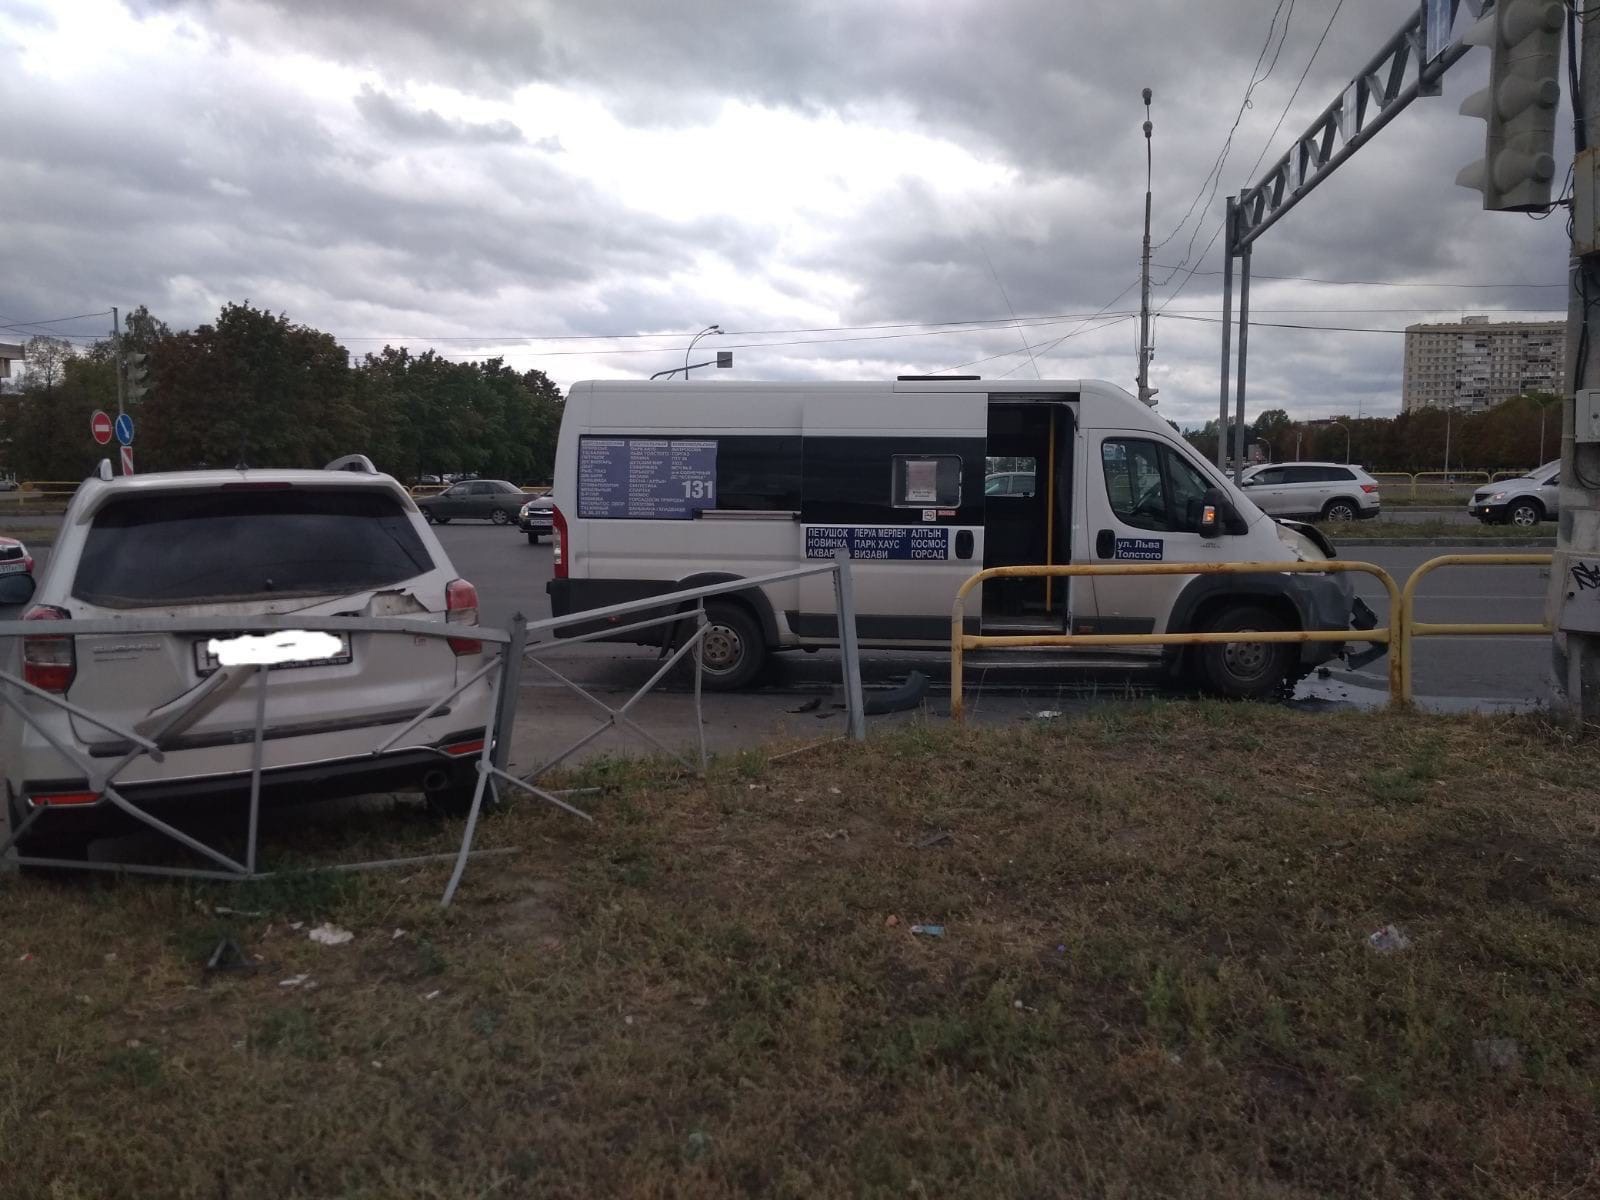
(1477, 363)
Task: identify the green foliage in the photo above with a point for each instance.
(254, 387)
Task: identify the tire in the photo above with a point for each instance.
(734, 650)
(1340, 510)
(1245, 670)
(427, 515)
(1524, 514)
(500, 517)
(533, 539)
(454, 800)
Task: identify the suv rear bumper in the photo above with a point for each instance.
(401, 770)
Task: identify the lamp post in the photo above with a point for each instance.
(708, 329)
(1341, 425)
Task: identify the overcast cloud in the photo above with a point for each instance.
(519, 178)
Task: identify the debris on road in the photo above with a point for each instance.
(330, 935)
(1388, 940)
(934, 931)
(891, 921)
(810, 705)
(293, 981)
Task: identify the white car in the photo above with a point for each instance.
(1313, 491)
(346, 542)
(1523, 501)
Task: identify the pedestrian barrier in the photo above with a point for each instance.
(1411, 628)
(34, 706)
(1437, 485)
(510, 651)
(686, 605)
(961, 640)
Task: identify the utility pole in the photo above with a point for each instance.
(1145, 390)
(1573, 607)
(116, 353)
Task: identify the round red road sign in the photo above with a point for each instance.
(100, 426)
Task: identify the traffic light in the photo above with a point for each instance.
(136, 371)
(1518, 166)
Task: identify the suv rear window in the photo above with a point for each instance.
(208, 547)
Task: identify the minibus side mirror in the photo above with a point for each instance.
(1217, 515)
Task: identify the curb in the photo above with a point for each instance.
(1453, 543)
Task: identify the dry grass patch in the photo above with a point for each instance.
(1154, 980)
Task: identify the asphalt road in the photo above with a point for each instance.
(1497, 671)
(1479, 672)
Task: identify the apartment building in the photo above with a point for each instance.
(1477, 363)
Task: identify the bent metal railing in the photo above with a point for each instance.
(961, 640)
(503, 667)
(686, 606)
(502, 650)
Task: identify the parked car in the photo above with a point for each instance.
(536, 518)
(1009, 483)
(475, 499)
(1313, 491)
(1523, 501)
(14, 558)
(239, 543)
(8, 485)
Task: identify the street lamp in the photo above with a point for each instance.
(717, 329)
(1342, 426)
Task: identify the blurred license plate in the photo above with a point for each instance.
(206, 662)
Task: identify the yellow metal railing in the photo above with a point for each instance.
(962, 641)
(1411, 628)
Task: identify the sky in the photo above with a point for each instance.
(850, 189)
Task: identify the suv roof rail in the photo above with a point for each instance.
(353, 462)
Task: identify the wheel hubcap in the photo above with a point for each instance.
(1246, 660)
(1340, 512)
(721, 649)
(1523, 517)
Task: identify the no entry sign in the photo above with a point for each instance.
(100, 427)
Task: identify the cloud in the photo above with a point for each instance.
(407, 123)
(461, 173)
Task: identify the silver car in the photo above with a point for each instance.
(1523, 501)
(1313, 491)
(243, 543)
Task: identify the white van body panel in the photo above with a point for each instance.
(842, 443)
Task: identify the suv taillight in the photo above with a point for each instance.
(461, 608)
(49, 661)
(558, 544)
(1369, 488)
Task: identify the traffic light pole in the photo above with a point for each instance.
(1575, 652)
(116, 353)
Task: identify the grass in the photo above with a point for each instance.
(1155, 980)
(1455, 531)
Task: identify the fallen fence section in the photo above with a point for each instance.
(686, 606)
(31, 705)
(961, 640)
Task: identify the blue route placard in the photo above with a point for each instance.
(635, 478)
(914, 542)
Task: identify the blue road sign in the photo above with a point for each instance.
(124, 428)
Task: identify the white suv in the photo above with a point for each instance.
(347, 542)
(1313, 491)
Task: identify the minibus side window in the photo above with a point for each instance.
(1151, 486)
(926, 481)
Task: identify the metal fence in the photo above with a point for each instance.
(506, 652)
(961, 640)
(1411, 628)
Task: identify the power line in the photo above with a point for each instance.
(1315, 50)
(1381, 282)
(23, 325)
(1222, 155)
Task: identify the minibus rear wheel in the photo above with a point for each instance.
(733, 650)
